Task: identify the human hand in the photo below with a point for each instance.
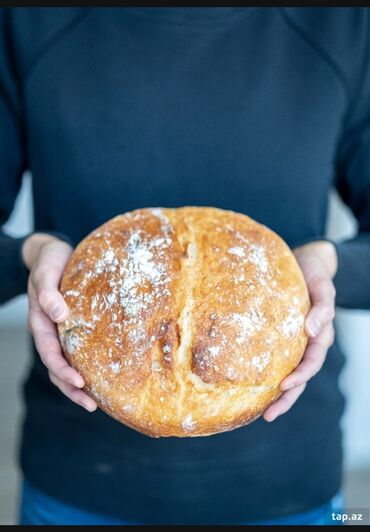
(318, 262)
(45, 256)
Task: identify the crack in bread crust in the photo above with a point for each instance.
(189, 276)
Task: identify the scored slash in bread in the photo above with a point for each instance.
(183, 321)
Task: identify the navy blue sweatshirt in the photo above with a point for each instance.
(258, 110)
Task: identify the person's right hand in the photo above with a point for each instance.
(46, 256)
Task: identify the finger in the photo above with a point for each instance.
(284, 403)
(74, 394)
(313, 359)
(48, 346)
(33, 304)
(322, 294)
(46, 278)
(49, 298)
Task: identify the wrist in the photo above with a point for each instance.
(31, 247)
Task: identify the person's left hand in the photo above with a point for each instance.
(318, 262)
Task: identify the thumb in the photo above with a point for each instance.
(46, 277)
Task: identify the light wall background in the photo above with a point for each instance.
(353, 328)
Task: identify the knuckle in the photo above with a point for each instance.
(75, 394)
(327, 312)
(331, 336)
(47, 358)
(31, 325)
(333, 290)
(61, 372)
(318, 281)
(321, 284)
(311, 372)
(300, 373)
(315, 371)
(52, 378)
(30, 283)
(314, 285)
(48, 341)
(43, 357)
(285, 401)
(38, 274)
(320, 359)
(44, 298)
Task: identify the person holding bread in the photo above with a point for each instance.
(260, 111)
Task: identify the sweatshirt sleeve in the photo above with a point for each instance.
(13, 163)
(12, 166)
(352, 170)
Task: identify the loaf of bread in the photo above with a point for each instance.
(183, 321)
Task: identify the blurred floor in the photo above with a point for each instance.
(13, 365)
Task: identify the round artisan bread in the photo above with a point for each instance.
(183, 321)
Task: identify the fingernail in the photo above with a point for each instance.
(314, 327)
(57, 312)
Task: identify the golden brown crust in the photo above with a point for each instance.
(183, 321)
